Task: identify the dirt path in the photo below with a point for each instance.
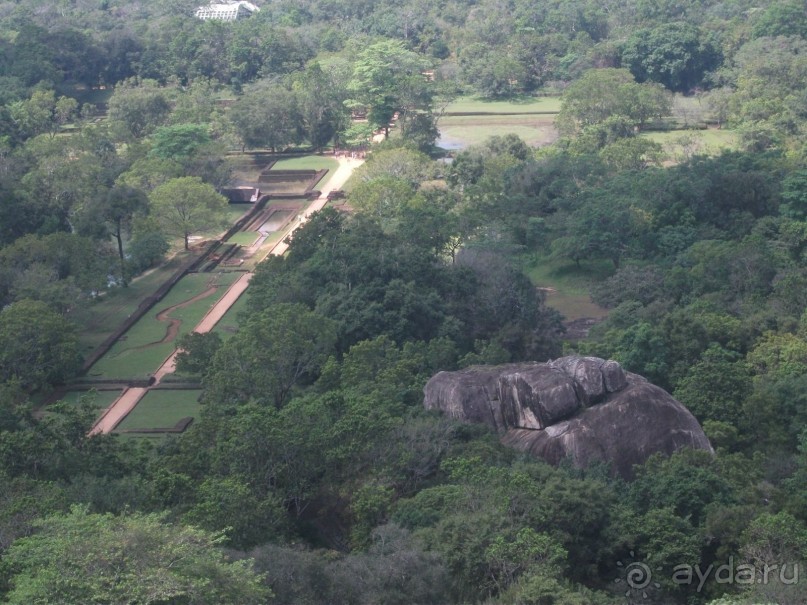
(172, 329)
(121, 407)
(340, 177)
(209, 321)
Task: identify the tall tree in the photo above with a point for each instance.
(80, 557)
(274, 350)
(37, 346)
(113, 213)
(603, 93)
(186, 205)
(267, 116)
(388, 78)
(320, 99)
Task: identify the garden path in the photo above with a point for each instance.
(130, 397)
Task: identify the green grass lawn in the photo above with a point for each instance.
(310, 162)
(678, 144)
(519, 105)
(567, 285)
(133, 356)
(307, 162)
(162, 409)
(234, 212)
(245, 238)
(99, 399)
(458, 132)
(228, 324)
(98, 319)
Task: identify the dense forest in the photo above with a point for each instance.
(313, 474)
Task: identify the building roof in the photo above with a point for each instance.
(226, 11)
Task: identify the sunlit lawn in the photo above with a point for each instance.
(99, 399)
(137, 354)
(680, 143)
(458, 132)
(228, 324)
(98, 319)
(162, 409)
(310, 162)
(568, 285)
(519, 105)
(244, 238)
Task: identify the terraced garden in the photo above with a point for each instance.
(151, 340)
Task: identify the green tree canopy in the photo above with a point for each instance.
(602, 93)
(388, 78)
(186, 205)
(134, 559)
(273, 351)
(39, 346)
(676, 55)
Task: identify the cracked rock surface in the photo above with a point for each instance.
(582, 409)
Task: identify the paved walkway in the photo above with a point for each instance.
(130, 397)
(118, 410)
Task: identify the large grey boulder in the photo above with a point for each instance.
(581, 409)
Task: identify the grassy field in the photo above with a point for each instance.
(162, 409)
(566, 285)
(234, 212)
(228, 324)
(458, 132)
(99, 399)
(245, 238)
(471, 104)
(307, 162)
(679, 144)
(310, 162)
(140, 352)
(98, 319)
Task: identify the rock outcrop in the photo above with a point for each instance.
(581, 409)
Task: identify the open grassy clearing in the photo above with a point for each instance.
(162, 409)
(99, 318)
(244, 238)
(307, 162)
(228, 325)
(144, 347)
(526, 104)
(310, 162)
(680, 144)
(99, 399)
(458, 132)
(234, 212)
(567, 285)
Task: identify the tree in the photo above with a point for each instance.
(267, 116)
(137, 109)
(387, 78)
(785, 18)
(115, 211)
(320, 99)
(602, 93)
(492, 71)
(134, 559)
(179, 141)
(39, 348)
(383, 198)
(273, 351)
(676, 55)
(187, 205)
(59, 269)
(196, 352)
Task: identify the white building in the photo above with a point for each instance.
(226, 11)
